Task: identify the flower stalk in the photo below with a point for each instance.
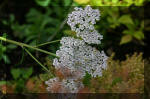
(37, 61)
(47, 43)
(26, 45)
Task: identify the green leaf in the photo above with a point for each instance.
(126, 19)
(44, 77)
(114, 1)
(2, 83)
(12, 18)
(86, 79)
(96, 2)
(6, 59)
(138, 35)
(67, 2)
(43, 2)
(130, 32)
(126, 39)
(131, 27)
(69, 33)
(16, 73)
(142, 25)
(20, 85)
(5, 22)
(5, 35)
(26, 73)
(116, 80)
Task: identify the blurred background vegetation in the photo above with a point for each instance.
(124, 24)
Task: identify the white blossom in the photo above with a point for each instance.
(71, 86)
(64, 86)
(53, 83)
(76, 55)
(82, 22)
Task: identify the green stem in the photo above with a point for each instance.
(26, 45)
(47, 43)
(37, 61)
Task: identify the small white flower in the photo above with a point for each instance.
(78, 56)
(52, 84)
(82, 22)
(71, 86)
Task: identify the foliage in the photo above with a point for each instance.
(20, 76)
(147, 77)
(121, 77)
(122, 17)
(43, 2)
(3, 49)
(37, 27)
(40, 26)
(133, 25)
(86, 79)
(111, 2)
(121, 21)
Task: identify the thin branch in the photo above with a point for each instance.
(37, 61)
(28, 46)
(47, 43)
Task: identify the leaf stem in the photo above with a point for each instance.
(37, 61)
(28, 46)
(47, 43)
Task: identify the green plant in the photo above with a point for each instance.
(20, 76)
(133, 27)
(121, 77)
(43, 2)
(121, 19)
(45, 24)
(4, 49)
(86, 79)
(111, 2)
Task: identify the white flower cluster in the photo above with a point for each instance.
(71, 86)
(82, 22)
(64, 86)
(53, 82)
(77, 56)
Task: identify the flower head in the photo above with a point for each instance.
(82, 22)
(77, 56)
(55, 85)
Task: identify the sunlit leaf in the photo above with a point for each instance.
(126, 39)
(116, 80)
(126, 19)
(67, 2)
(16, 73)
(27, 72)
(86, 79)
(139, 35)
(96, 2)
(2, 83)
(82, 1)
(43, 2)
(6, 59)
